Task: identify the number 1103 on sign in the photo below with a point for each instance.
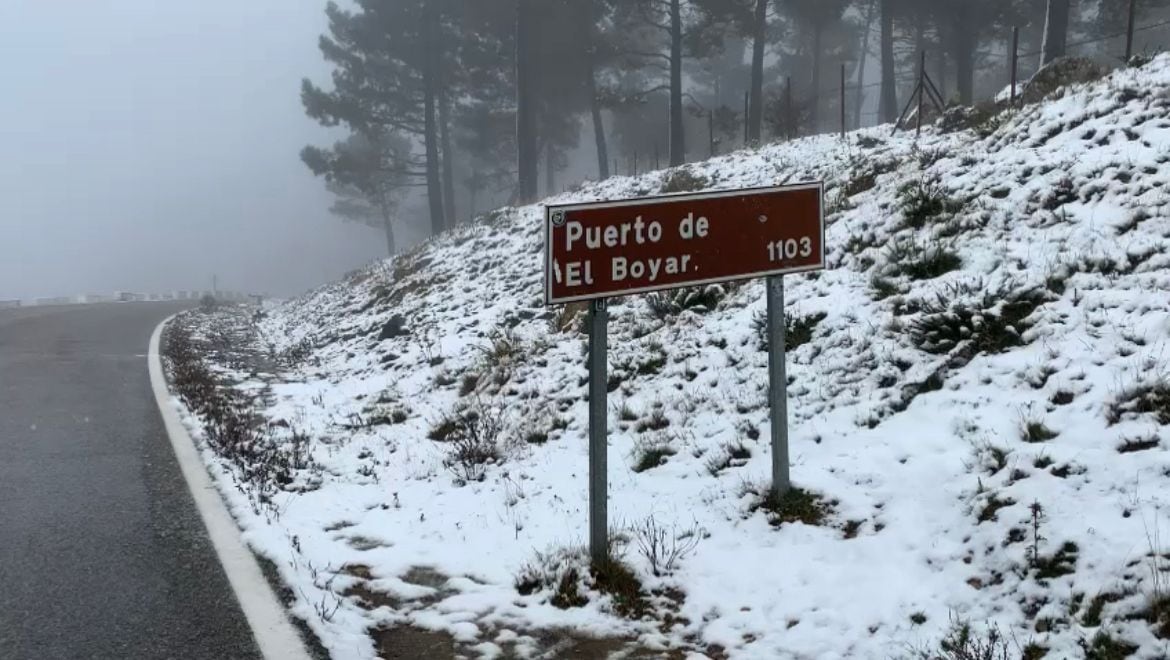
(779, 251)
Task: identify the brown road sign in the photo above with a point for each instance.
(601, 250)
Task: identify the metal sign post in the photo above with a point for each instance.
(598, 432)
(778, 383)
(600, 250)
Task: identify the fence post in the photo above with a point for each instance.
(1015, 63)
(842, 100)
(921, 90)
(1129, 31)
(789, 121)
(746, 111)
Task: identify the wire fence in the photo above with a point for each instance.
(798, 116)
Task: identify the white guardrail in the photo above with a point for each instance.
(129, 297)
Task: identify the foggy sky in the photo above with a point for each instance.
(146, 145)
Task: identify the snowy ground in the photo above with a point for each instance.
(1041, 249)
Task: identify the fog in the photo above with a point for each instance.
(149, 146)
(152, 146)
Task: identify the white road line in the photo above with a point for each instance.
(274, 634)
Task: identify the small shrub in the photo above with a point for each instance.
(472, 436)
(1059, 73)
(962, 643)
(883, 287)
(663, 548)
(1062, 562)
(1158, 613)
(1151, 398)
(666, 304)
(1062, 192)
(1035, 431)
(1104, 647)
(990, 510)
(563, 574)
(683, 179)
(1131, 445)
(656, 421)
(796, 505)
(626, 413)
(859, 182)
(992, 324)
(983, 118)
(925, 201)
(468, 383)
(649, 454)
(730, 454)
(614, 578)
(918, 261)
(568, 594)
(798, 329)
(502, 349)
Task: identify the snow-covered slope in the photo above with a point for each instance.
(982, 402)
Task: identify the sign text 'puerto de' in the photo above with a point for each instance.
(610, 249)
(602, 250)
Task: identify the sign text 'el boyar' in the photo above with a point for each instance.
(600, 250)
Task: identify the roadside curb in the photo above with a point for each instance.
(275, 635)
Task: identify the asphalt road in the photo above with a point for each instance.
(102, 552)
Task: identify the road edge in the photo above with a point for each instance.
(274, 633)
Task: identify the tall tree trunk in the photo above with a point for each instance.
(431, 128)
(889, 102)
(759, 35)
(1055, 31)
(387, 225)
(942, 81)
(678, 145)
(448, 160)
(550, 172)
(598, 123)
(861, 65)
(815, 93)
(528, 151)
(964, 40)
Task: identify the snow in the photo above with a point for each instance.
(915, 477)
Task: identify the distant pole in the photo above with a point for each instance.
(635, 162)
(1129, 31)
(789, 120)
(842, 100)
(657, 166)
(615, 167)
(746, 110)
(1015, 62)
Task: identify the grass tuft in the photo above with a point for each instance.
(1034, 431)
(796, 505)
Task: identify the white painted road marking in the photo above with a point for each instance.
(274, 634)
